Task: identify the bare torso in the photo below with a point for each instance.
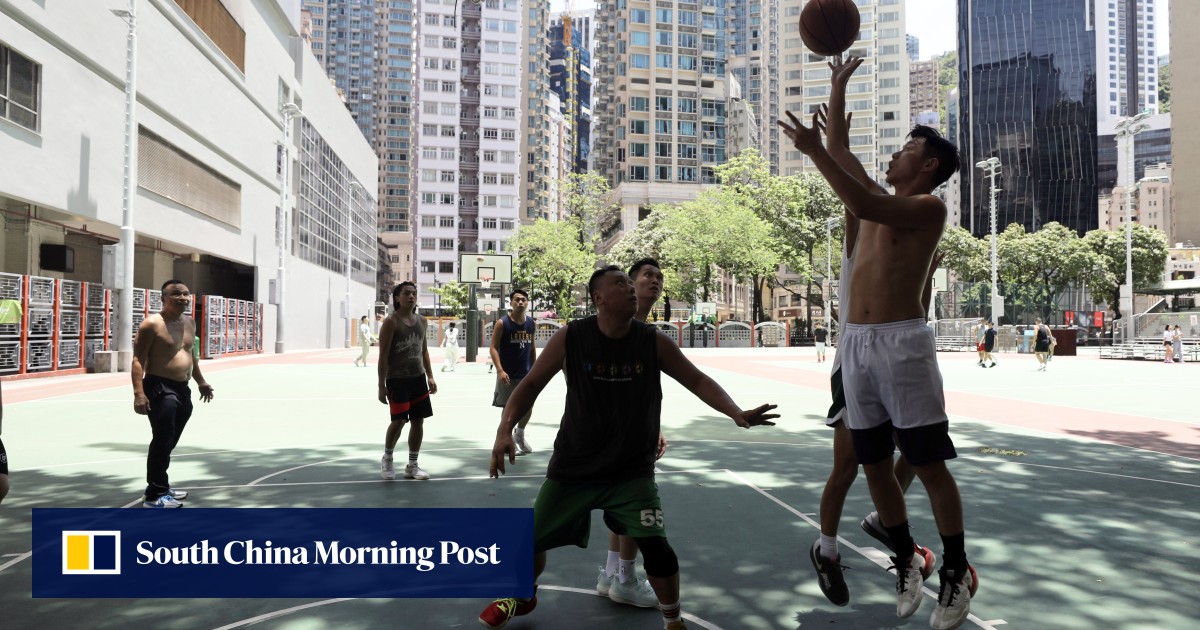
(891, 269)
(170, 352)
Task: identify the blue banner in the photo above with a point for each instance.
(283, 552)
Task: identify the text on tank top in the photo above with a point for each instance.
(406, 356)
(516, 346)
(610, 424)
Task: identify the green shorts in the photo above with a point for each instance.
(562, 513)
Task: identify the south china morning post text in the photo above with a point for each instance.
(283, 552)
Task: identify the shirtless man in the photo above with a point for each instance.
(162, 365)
(889, 368)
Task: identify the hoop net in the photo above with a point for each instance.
(487, 309)
(485, 282)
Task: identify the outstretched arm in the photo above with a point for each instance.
(675, 365)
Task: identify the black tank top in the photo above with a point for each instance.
(609, 429)
(516, 346)
(1041, 334)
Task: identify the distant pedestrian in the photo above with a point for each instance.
(364, 340)
(820, 334)
(1041, 343)
(450, 343)
(989, 344)
(1177, 344)
(1168, 345)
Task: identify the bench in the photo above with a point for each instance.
(1149, 348)
(955, 343)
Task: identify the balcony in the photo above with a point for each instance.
(470, 33)
(471, 54)
(469, 141)
(468, 185)
(469, 97)
(470, 77)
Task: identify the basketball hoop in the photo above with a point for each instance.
(487, 309)
(485, 282)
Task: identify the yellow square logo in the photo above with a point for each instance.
(91, 553)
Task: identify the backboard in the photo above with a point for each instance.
(473, 267)
(489, 305)
(706, 308)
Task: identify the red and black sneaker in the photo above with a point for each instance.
(500, 611)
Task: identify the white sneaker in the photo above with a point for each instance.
(386, 470)
(908, 586)
(523, 447)
(165, 502)
(635, 592)
(604, 582)
(178, 495)
(413, 471)
(954, 599)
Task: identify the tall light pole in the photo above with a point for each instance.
(1127, 130)
(288, 111)
(354, 187)
(125, 302)
(991, 168)
(829, 225)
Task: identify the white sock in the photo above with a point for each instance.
(671, 612)
(625, 573)
(610, 568)
(829, 547)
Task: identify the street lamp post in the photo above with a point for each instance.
(288, 111)
(829, 225)
(1127, 130)
(992, 167)
(125, 304)
(354, 187)
(437, 299)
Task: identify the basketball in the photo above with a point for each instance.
(829, 27)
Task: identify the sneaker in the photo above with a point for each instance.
(908, 585)
(522, 445)
(928, 558)
(165, 502)
(413, 471)
(992, 365)
(604, 583)
(829, 576)
(874, 528)
(386, 470)
(635, 592)
(500, 611)
(178, 495)
(954, 599)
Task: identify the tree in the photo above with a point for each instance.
(947, 80)
(550, 262)
(1164, 89)
(1149, 261)
(967, 256)
(452, 298)
(1037, 267)
(589, 206)
(648, 239)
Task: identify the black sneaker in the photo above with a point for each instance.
(829, 576)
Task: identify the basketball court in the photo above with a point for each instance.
(1080, 489)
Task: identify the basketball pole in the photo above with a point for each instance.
(472, 324)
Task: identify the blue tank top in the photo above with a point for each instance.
(516, 347)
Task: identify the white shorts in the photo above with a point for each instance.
(890, 374)
(820, 346)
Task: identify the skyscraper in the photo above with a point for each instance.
(571, 81)
(923, 87)
(535, 123)
(1027, 81)
(878, 94)
(660, 100)
(754, 62)
(912, 45)
(1125, 59)
(1185, 114)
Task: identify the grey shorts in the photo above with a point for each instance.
(503, 391)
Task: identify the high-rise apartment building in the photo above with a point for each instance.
(912, 46)
(466, 145)
(571, 81)
(923, 88)
(535, 107)
(1126, 63)
(753, 27)
(1027, 81)
(1185, 114)
(1151, 203)
(660, 100)
(878, 94)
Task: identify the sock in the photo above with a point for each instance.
(518, 433)
(829, 547)
(412, 458)
(387, 451)
(671, 612)
(625, 573)
(954, 555)
(610, 568)
(902, 542)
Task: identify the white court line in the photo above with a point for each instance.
(329, 461)
(1106, 474)
(19, 558)
(361, 481)
(549, 587)
(870, 553)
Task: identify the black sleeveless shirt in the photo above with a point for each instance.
(609, 430)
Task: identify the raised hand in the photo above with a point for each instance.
(823, 120)
(843, 70)
(806, 139)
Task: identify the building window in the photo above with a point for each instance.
(428, 243)
(446, 244)
(489, 223)
(426, 265)
(446, 222)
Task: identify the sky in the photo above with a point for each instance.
(926, 20)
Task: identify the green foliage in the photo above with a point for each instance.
(1149, 260)
(967, 256)
(551, 260)
(589, 206)
(947, 79)
(1164, 89)
(454, 297)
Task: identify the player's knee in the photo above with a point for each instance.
(844, 472)
(658, 558)
(3, 487)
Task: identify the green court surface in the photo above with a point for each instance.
(1080, 486)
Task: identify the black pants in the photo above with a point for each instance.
(170, 409)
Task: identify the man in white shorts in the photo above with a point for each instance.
(889, 363)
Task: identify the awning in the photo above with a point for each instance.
(1173, 287)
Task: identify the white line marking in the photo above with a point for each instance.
(19, 558)
(870, 553)
(1106, 474)
(359, 481)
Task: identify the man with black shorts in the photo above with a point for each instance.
(1041, 343)
(989, 345)
(604, 453)
(513, 352)
(405, 379)
(163, 362)
(889, 362)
